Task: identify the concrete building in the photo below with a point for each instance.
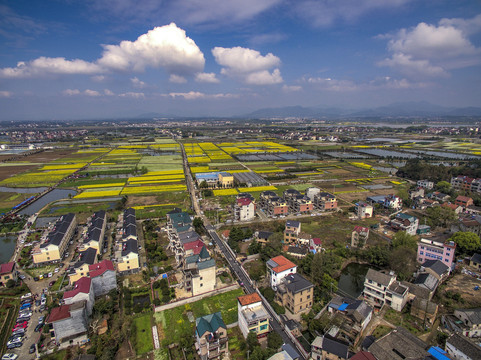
(295, 293)
(81, 267)
(81, 291)
(475, 261)
(325, 202)
(405, 222)
(471, 320)
(328, 348)
(311, 192)
(69, 323)
(359, 236)
(244, 209)
(94, 235)
(199, 273)
(426, 184)
(462, 348)
(129, 227)
(272, 204)
(380, 289)
(278, 268)
(436, 268)
(211, 336)
(435, 250)
(55, 243)
(226, 180)
(364, 210)
(252, 316)
(291, 231)
(104, 277)
(8, 272)
(129, 257)
(463, 201)
(424, 310)
(399, 344)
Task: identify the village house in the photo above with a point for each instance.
(291, 231)
(262, 236)
(405, 222)
(435, 250)
(364, 210)
(399, 344)
(380, 289)
(81, 291)
(199, 273)
(436, 268)
(104, 277)
(455, 207)
(296, 251)
(460, 347)
(325, 202)
(211, 336)
(327, 348)
(359, 236)
(69, 324)
(468, 224)
(425, 184)
(315, 245)
(244, 209)
(298, 203)
(464, 201)
(424, 309)
(8, 272)
(278, 268)
(252, 316)
(81, 267)
(54, 245)
(129, 257)
(94, 236)
(417, 193)
(475, 261)
(295, 293)
(439, 196)
(272, 204)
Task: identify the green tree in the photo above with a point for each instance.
(467, 242)
(274, 340)
(443, 186)
(252, 341)
(254, 247)
(198, 225)
(401, 238)
(439, 216)
(403, 262)
(10, 283)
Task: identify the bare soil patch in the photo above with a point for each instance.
(8, 171)
(464, 284)
(141, 200)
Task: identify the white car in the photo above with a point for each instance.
(56, 270)
(9, 356)
(50, 274)
(26, 296)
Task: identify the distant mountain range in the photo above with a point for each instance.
(400, 109)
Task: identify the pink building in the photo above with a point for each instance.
(435, 250)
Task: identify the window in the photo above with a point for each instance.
(263, 327)
(308, 297)
(421, 253)
(201, 285)
(201, 278)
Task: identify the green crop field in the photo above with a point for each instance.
(142, 336)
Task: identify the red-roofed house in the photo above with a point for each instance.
(104, 277)
(7, 272)
(82, 290)
(456, 208)
(69, 324)
(225, 234)
(464, 201)
(193, 248)
(252, 316)
(244, 209)
(359, 236)
(315, 245)
(278, 268)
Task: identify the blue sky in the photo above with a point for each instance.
(76, 59)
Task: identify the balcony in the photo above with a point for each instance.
(373, 293)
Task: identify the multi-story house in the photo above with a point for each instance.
(129, 257)
(461, 348)
(129, 228)
(380, 289)
(463, 201)
(278, 268)
(104, 277)
(244, 209)
(405, 222)
(364, 210)
(54, 245)
(211, 336)
(81, 267)
(425, 184)
(471, 321)
(94, 236)
(327, 348)
(393, 202)
(462, 182)
(295, 293)
(252, 316)
(359, 236)
(325, 201)
(272, 204)
(8, 272)
(435, 250)
(311, 192)
(298, 203)
(291, 231)
(199, 273)
(81, 291)
(226, 180)
(69, 324)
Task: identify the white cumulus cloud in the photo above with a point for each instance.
(134, 95)
(137, 83)
(291, 88)
(108, 92)
(165, 47)
(71, 92)
(5, 94)
(194, 95)
(177, 79)
(89, 92)
(428, 50)
(248, 65)
(206, 78)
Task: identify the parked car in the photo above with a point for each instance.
(56, 270)
(19, 331)
(10, 356)
(24, 313)
(43, 301)
(50, 274)
(42, 308)
(16, 340)
(14, 345)
(16, 336)
(51, 283)
(22, 277)
(32, 349)
(36, 278)
(37, 303)
(22, 319)
(26, 306)
(39, 327)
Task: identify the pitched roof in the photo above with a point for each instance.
(280, 264)
(293, 223)
(296, 283)
(7, 268)
(59, 313)
(335, 347)
(397, 345)
(426, 280)
(473, 315)
(465, 345)
(360, 229)
(297, 250)
(317, 241)
(378, 277)
(206, 264)
(437, 266)
(86, 257)
(264, 234)
(209, 323)
(196, 246)
(204, 254)
(476, 258)
(82, 285)
(363, 355)
(130, 246)
(463, 198)
(244, 201)
(100, 268)
(249, 299)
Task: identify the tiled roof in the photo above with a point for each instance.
(463, 198)
(209, 323)
(296, 283)
(317, 241)
(59, 313)
(378, 277)
(7, 268)
(244, 201)
(437, 266)
(465, 345)
(82, 285)
(87, 257)
(196, 246)
(249, 299)
(101, 267)
(360, 229)
(476, 258)
(293, 223)
(129, 246)
(282, 264)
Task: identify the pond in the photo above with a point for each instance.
(53, 195)
(447, 155)
(33, 190)
(141, 300)
(351, 281)
(7, 247)
(387, 153)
